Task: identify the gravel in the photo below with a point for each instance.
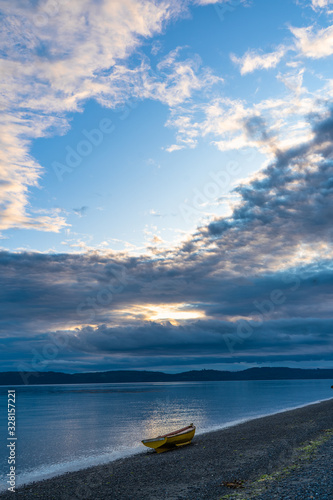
(243, 452)
(312, 480)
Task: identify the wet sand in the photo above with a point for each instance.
(263, 453)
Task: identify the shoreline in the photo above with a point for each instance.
(214, 456)
(69, 467)
(131, 452)
(264, 415)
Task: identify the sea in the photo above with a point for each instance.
(61, 428)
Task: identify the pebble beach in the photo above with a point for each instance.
(288, 455)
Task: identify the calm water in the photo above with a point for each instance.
(68, 427)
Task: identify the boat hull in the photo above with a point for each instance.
(171, 441)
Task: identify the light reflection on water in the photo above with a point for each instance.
(166, 416)
(62, 428)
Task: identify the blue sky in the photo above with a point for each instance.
(185, 145)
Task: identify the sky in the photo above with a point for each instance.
(166, 184)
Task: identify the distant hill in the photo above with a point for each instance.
(35, 378)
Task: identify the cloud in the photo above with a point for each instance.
(276, 340)
(262, 287)
(154, 213)
(320, 4)
(260, 283)
(19, 171)
(287, 203)
(55, 56)
(314, 45)
(253, 60)
(308, 43)
(175, 80)
(151, 345)
(174, 147)
(224, 120)
(58, 56)
(80, 212)
(156, 240)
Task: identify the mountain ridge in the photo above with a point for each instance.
(133, 376)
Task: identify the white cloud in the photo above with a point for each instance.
(175, 80)
(59, 54)
(19, 171)
(174, 147)
(69, 50)
(314, 45)
(321, 4)
(253, 60)
(268, 125)
(293, 81)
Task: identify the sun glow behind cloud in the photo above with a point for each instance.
(173, 312)
(155, 313)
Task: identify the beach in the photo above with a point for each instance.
(288, 455)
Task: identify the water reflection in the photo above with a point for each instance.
(164, 418)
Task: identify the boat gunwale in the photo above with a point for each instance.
(181, 432)
(153, 439)
(184, 430)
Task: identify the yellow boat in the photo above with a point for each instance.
(171, 440)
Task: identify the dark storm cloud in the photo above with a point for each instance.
(47, 292)
(289, 205)
(200, 342)
(269, 261)
(208, 337)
